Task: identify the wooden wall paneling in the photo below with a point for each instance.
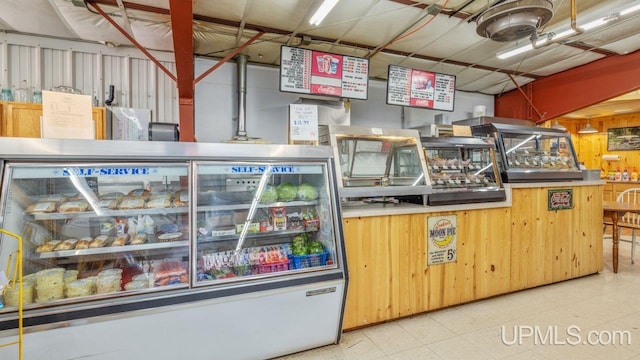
(492, 252)
(528, 243)
(587, 232)
(418, 265)
(558, 240)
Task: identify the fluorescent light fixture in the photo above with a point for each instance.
(322, 11)
(514, 52)
(630, 10)
(540, 42)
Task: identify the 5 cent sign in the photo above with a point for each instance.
(441, 239)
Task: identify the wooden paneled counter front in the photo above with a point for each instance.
(501, 247)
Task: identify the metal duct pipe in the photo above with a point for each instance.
(241, 132)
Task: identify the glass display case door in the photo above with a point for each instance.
(94, 231)
(256, 220)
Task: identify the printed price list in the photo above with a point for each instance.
(399, 86)
(295, 73)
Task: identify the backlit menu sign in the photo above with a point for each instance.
(418, 88)
(320, 73)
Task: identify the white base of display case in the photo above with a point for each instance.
(252, 326)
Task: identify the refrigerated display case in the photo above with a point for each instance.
(532, 154)
(377, 162)
(223, 243)
(462, 170)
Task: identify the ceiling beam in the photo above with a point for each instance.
(573, 89)
(182, 31)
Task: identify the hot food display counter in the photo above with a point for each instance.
(462, 170)
(532, 154)
(149, 246)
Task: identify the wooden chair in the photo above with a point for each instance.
(630, 220)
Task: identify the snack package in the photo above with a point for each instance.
(279, 217)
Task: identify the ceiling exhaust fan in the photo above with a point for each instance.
(514, 19)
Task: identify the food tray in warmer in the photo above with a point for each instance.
(307, 261)
(274, 267)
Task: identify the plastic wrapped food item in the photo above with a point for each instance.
(48, 246)
(132, 203)
(139, 239)
(74, 206)
(82, 287)
(139, 194)
(109, 280)
(158, 203)
(112, 196)
(136, 285)
(68, 244)
(49, 285)
(99, 241)
(108, 284)
(83, 243)
(121, 240)
(70, 275)
(42, 207)
(11, 295)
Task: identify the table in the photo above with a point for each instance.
(616, 209)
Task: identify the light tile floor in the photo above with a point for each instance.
(599, 308)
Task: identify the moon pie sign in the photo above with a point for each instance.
(441, 239)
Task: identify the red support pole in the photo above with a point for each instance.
(182, 31)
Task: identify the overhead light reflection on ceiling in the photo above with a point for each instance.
(322, 11)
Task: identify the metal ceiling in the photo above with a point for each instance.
(400, 32)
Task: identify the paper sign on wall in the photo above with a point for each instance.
(303, 123)
(441, 239)
(67, 116)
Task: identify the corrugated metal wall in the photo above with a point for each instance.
(47, 63)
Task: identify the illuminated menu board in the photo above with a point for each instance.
(321, 73)
(421, 89)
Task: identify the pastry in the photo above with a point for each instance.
(68, 244)
(121, 240)
(181, 198)
(99, 241)
(48, 246)
(139, 239)
(83, 243)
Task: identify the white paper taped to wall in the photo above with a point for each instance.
(611, 157)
